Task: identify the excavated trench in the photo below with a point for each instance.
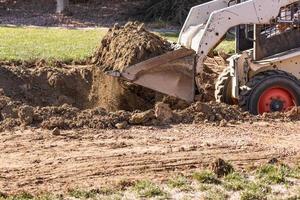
(82, 96)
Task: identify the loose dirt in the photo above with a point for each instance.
(128, 45)
(36, 160)
(65, 97)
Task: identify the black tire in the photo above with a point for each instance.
(255, 88)
(223, 88)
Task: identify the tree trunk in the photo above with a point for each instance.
(61, 5)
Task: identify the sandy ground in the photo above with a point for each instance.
(35, 160)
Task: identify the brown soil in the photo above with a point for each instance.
(82, 96)
(37, 160)
(64, 98)
(128, 45)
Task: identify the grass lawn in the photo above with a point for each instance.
(58, 44)
(48, 43)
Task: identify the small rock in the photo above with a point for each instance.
(204, 108)
(163, 112)
(9, 111)
(122, 125)
(294, 113)
(56, 131)
(212, 118)
(116, 26)
(142, 118)
(26, 115)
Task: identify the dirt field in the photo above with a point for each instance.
(35, 160)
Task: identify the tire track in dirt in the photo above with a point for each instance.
(35, 160)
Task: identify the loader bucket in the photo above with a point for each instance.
(172, 73)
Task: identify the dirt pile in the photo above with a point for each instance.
(128, 45)
(16, 113)
(121, 48)
(293, 114)
(40, 84)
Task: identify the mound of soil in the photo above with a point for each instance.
(119, 49)
(128, 45)
(16, 113)
(38, 84)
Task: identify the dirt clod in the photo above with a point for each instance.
(55, 131)
(142, 118)
(122, 125)
(26, 114)
(221, 168)
(163, 112)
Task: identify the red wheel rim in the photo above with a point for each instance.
(276, 99)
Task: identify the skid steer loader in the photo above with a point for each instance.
(263, 75)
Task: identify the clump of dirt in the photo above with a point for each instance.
(128, 45)
(16, 113)
(206, 80)
(293, 114)
(213, 112)
(221, 168)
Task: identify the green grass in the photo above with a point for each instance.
(82, 194)
(255, 191)
(295, 172)
(28, 196)
(235, 182)
(29, 44)
(180, 182)
(206, 177)
(148, 189)
(21, 196)
(273, 174)
(90, 194)
(216, 194)
(48, 43)
(227, 46)
(173, 37)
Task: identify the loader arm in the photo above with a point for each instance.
(220, 21)
(197, 19)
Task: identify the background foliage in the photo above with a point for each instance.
(174, 11)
